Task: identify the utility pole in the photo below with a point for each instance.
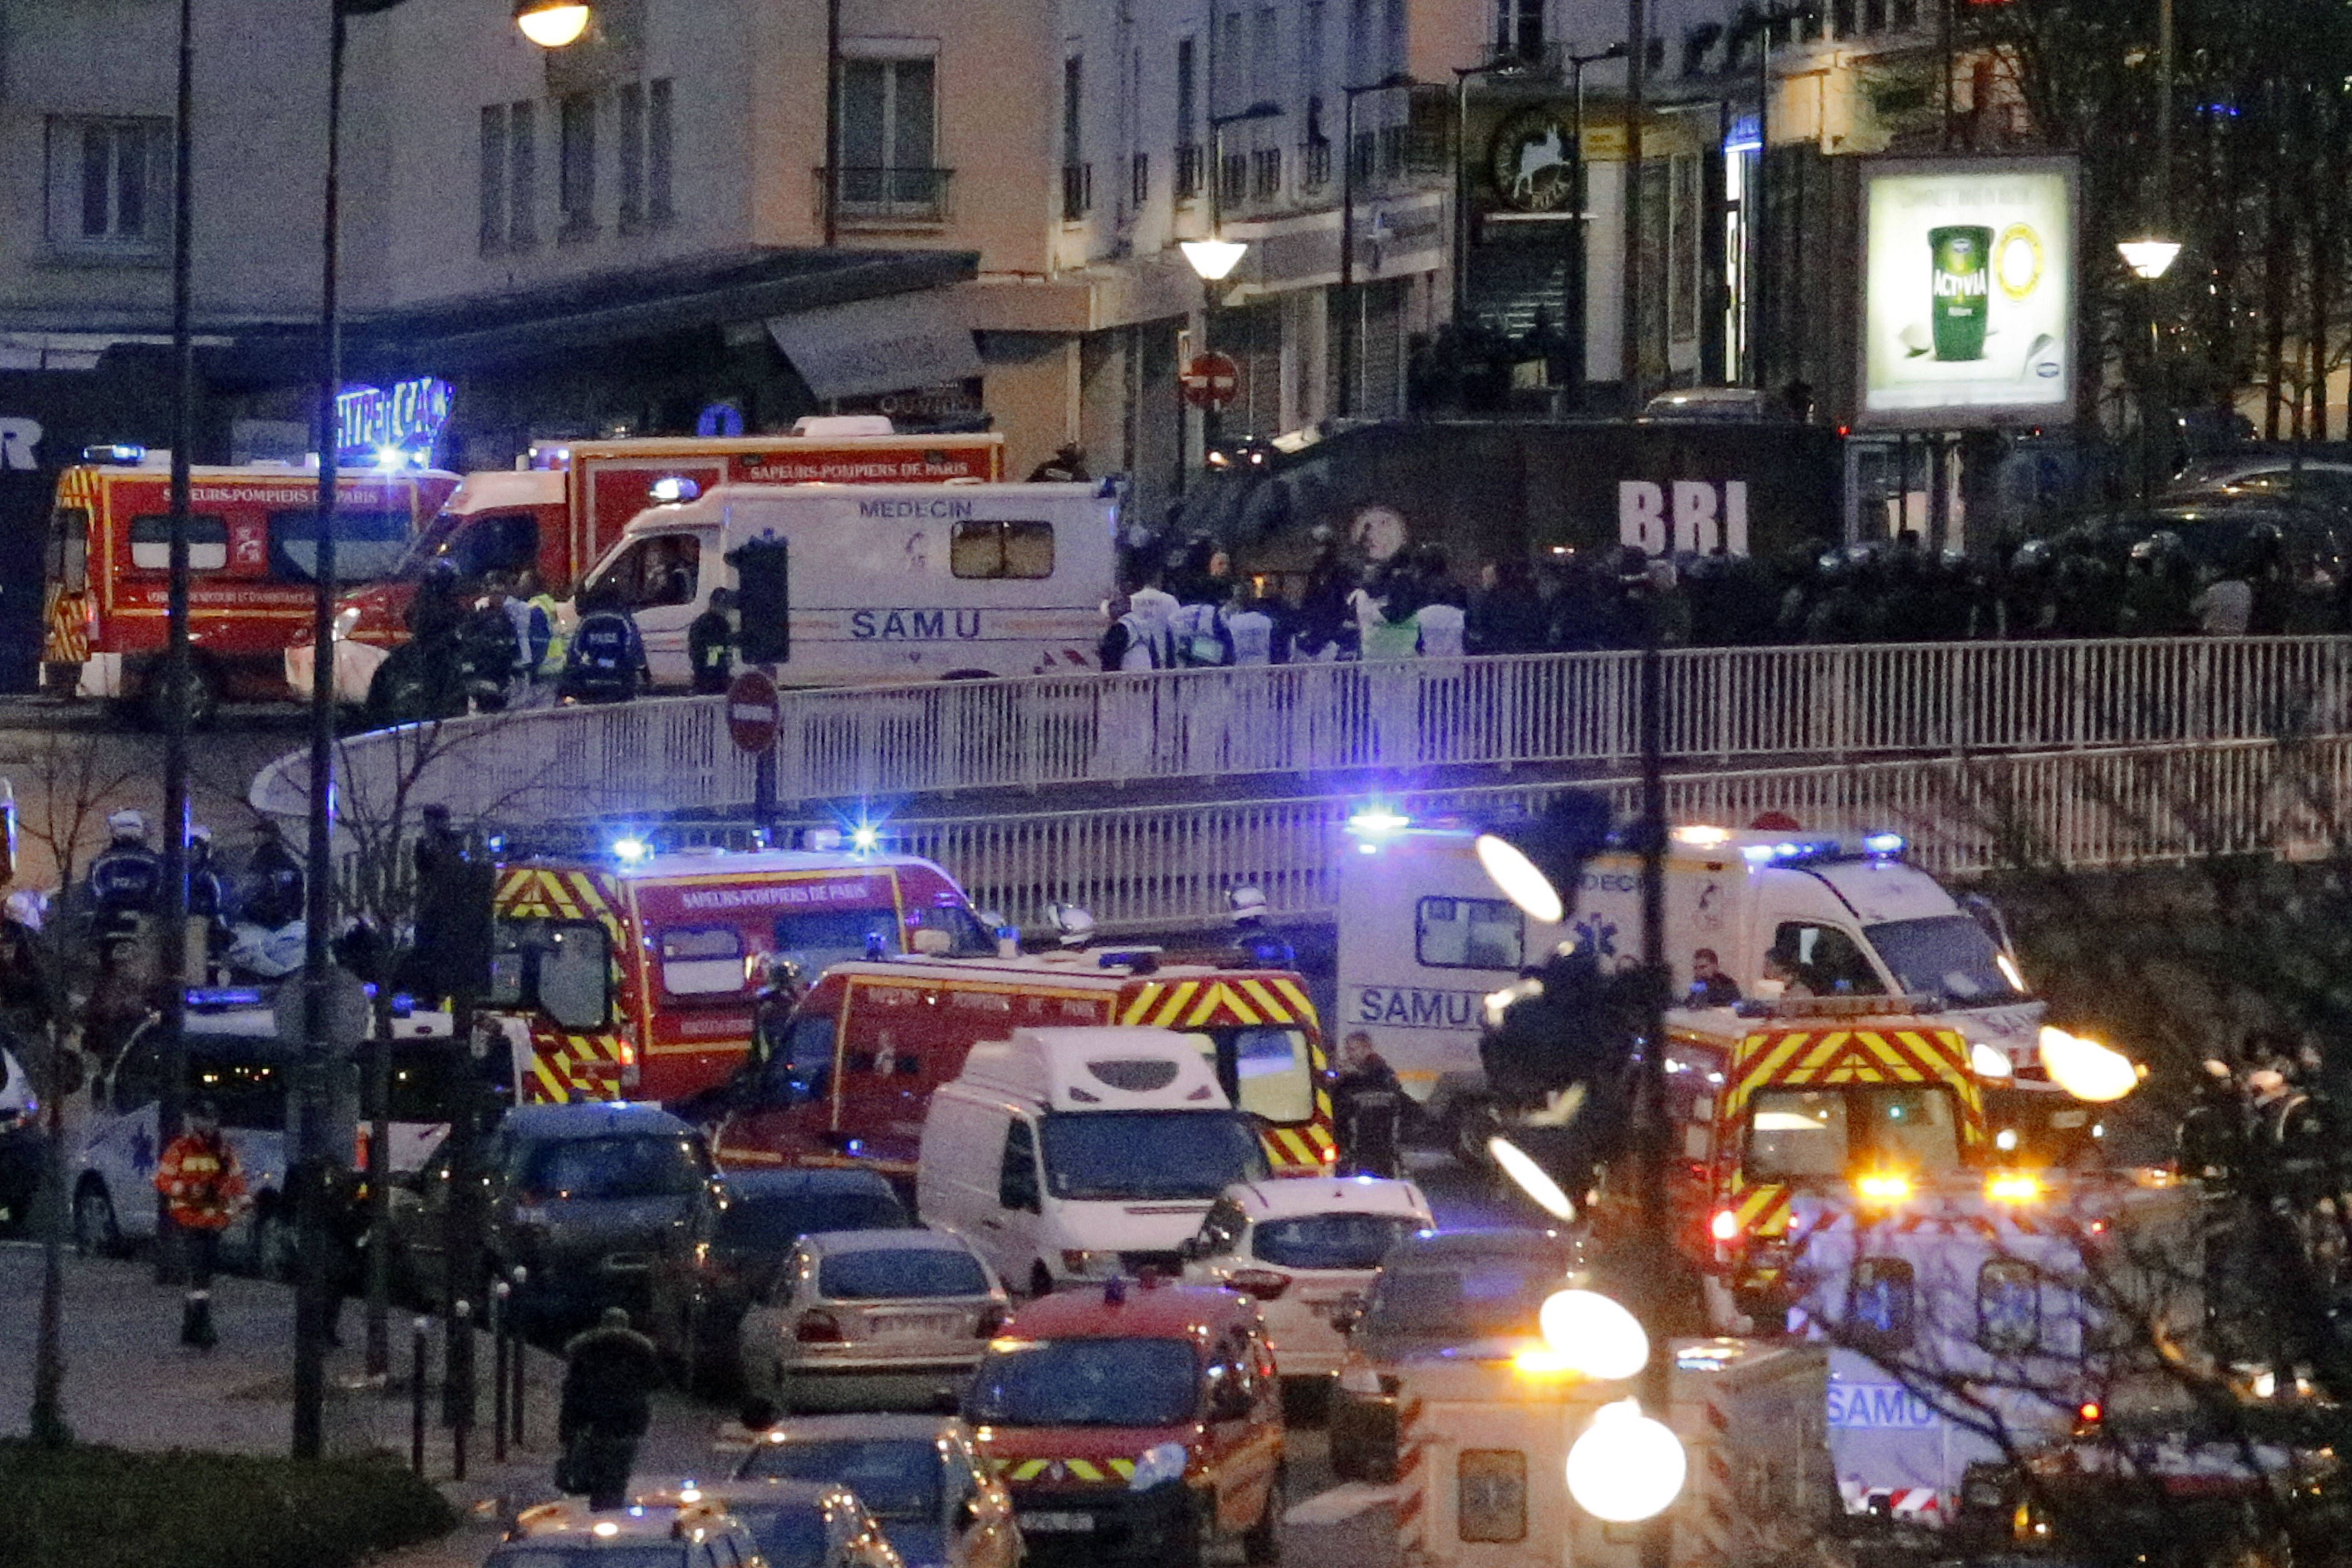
(1654, 1128)
(1637, 60)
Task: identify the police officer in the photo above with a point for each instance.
(609, 1376)
(1367, 1103)
(710, 645)
(126, 880)
(271, 897)
(608, 659)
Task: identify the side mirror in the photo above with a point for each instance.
(1190, 1249)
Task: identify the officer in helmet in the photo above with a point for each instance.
(126, 880)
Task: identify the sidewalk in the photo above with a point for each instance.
(131, 1384)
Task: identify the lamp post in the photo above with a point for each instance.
(1213, 260)
(2150, 259)
(1759, 266)
(1463, 77)
(1572, 291)
(1347, 324)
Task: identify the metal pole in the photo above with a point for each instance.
(831, 122)
(1951, 61)
(310, 1287)
(379, 1190)
(1462, 192)
(521, 1275)
(1759, 245)
(2165, 61)
(1347, 400)
(1572, 300)
(169, 1264)
(498, 1385)
(417, 1329)
(1637, 60)
(457, 1397)
(1657, 1211)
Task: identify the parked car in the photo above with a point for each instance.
(734, 1241)
(793, 1524)
(921, 1475)
(24, 1143)
(1136, 1421)
(1304, 1248)
(870, 1319)
(1457, 1295)
(581, 1196)
(676, 1533)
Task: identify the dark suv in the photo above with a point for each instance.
(580, 1196)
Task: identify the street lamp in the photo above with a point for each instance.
(1212, 260)
(1348, 323)
(553, 24)
(2148, 258)
(1758, 248)
(1627, 1467)
(1506, 70)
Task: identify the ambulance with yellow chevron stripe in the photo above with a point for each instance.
(635, 976)
(852, 1078)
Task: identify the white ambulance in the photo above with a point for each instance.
(886, 583)
(1424, 937)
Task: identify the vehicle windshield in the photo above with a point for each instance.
(646, 1165)
(1087, 1383)
(1948, 957)
(1267, 1072)
(772, 1224)
(432, 540)
(1193, 1155)
(1799, 1132)
(649, 1554)
(563, 968)
(1462, 1297)
(788, 1537)
(822, 937)
(425, 1080)
(892, 1273)
(1332, 1240)
(895, 1478)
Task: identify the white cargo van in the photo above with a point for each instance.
(1080, 1154)
(1425, 936)
(887, 582)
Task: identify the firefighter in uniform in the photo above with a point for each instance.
(204, 1189)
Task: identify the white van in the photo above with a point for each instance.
(1425, 936)
(1079, 1154)
(887, 582)
(237, 1059)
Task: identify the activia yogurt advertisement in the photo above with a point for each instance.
(1968, 293)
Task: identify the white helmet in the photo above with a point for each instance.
(28, 907)
(127, 824)
(200, 834)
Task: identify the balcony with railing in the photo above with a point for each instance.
(872, 196)
(1077, 191)
(1315, 163)
(1191, 163)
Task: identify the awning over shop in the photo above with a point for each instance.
(878, 345)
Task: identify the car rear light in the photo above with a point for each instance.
(1263, 1283)
(816, 1328)
(991, 1319)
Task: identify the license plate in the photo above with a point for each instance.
(1050, 1522)
(915, 1328)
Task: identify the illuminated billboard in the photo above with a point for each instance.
(1968, 291)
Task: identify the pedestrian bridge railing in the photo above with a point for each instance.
(1723, 705)
(1163, 867)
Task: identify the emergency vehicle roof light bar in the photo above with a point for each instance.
(1538, 861)
(1834, 1006)
(117, 454)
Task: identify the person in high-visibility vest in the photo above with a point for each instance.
(204, 1191)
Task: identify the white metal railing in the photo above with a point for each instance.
(1165, 865)
(1722, 705)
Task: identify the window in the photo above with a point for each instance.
(368, 544)
(1948, 957)
(883, 1273)
(1016, 1172)
(1794, 1134)
(702, 962)
(619, 1166)
(110, 184)
(657, 573)
(898, 1477)
(70, 547)
(1491, 1494)
(1077, 175)
(1332, 1240)
(151, 543)
(1000, 549)
(1265, 174)
(2009, 1307)
(660, 209)
(522, 175)
(494, 179)
(1820, 961)
(1908, 1125)
(770, 1222)
(1221, 1229)
(633, 158)
(500, 541)
(819, 940)
(576, 164)
(1469, 933)
(1087, 1383)
(1266, 55)
(1195, 1154)
(1518, 28)
(563, 968)
(1188, 136)
(1264, 1071)
(644, 160)
(889, 138)
(1882, 1299)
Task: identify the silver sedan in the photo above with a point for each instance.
(871, 1320)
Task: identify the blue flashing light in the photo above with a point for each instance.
(865, 838)
(402, 1003)
(1750, 146)
(1374, 824)
(220, 996)
(857, 1145)
(119, 454)
(1883, 844)
(391, 458)
(631, 849)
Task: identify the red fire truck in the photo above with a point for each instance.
(559, 515)
(635, 977)
(870, 1041)
(252, 543)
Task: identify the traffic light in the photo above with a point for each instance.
(763, 600)
(454, 893)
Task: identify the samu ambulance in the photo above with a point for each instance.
(569, 502)
(1425, 936)
(635, 977)
(886, 583)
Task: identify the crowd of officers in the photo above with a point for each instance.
(1186, 607)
